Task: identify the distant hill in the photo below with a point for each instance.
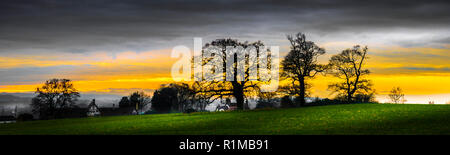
(12, 99)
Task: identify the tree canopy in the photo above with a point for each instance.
(55, 96)
(349, 66)
(300, 64)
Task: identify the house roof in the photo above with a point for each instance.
(92, 104)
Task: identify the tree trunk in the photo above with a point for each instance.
(238, 93)
(239, 100)
(349, 97)
(302, 92)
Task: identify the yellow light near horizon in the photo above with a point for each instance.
(107, 86)
(411, 84)
(148, 70)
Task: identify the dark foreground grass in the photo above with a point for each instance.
(333, 119)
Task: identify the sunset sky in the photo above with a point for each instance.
(114, 47)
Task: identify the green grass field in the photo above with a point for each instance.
(332, 119)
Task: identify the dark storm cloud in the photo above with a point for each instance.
(84, 26)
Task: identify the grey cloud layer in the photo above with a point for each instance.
(85, 26)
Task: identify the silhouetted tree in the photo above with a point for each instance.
(240, 85)
(348, 65)
(54, 97)
(201, 96)
(174, 96)
(301, 64)
(164, 98)
(368, 97)
(139, 100)
(396, 95)
(184, 96)
(124, 102)
(286, 102)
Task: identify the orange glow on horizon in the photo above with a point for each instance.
(125, 72)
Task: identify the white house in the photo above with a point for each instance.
(93, 109)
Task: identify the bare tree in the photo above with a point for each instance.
(396, 95)
(348, 66)
(201, 96)
(184, 96)
(54, 97)
(239, 86)
(301, 64)
(139, 100)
